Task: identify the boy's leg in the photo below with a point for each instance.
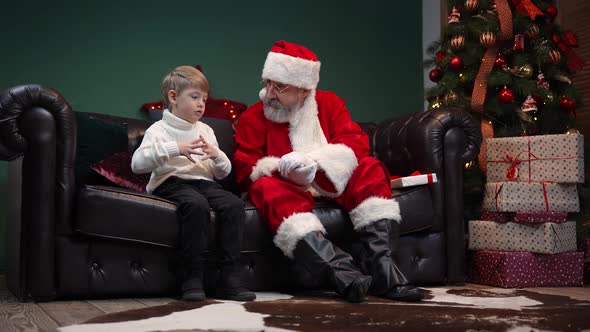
(192, 209)
(229, 221)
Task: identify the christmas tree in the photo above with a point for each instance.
(509, 63)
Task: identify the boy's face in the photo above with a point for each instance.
(189, 105)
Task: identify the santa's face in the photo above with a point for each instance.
(280, 100)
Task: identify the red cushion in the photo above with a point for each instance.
(117, 168)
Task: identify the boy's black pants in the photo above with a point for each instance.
(193, 199)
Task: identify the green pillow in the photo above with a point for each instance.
(97, 140)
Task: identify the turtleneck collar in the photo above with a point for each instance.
(175, 121)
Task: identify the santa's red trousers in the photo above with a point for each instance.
(277, 199)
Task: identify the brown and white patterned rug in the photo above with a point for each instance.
(445, 310)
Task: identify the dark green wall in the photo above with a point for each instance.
(110, 58)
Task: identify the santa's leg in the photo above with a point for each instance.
(376, 216)
(300, 235)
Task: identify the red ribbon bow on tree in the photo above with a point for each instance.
(566, 42)
(526, 7)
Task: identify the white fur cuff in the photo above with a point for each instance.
(373, 209)
(338, 162)
(264, 167)
(294, 228)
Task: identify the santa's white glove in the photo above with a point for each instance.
(298, 168)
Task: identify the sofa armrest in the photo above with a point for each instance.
(440, 142)
(37, 137)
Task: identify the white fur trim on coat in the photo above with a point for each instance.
(305, 131)
(338, 161)
(287, 69)
(264, 167)
(294, 228)
(373, 209)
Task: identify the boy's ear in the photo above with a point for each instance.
(172, 97)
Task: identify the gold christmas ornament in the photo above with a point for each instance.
(525, 71)
(468, 165)
(471, 5)
(487, 39)
(554, 56)
(458, 42)
(532, 32)
(572, 131)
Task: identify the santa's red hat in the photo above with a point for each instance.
(292, 64)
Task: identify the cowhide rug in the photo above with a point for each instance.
(444, 310)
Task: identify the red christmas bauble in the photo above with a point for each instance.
(440, 56)
(456, 63)
(499, 62)
(555, 38)
(551, 12)
(506, 96)
(568, 104)
(435, 75)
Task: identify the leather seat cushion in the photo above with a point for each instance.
(116, 213)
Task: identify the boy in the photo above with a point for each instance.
(183, 156)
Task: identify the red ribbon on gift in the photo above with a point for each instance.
(566, 42)
(526, 7)
(512, 172)
(429, 176)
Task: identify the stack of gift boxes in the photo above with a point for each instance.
(523, 237)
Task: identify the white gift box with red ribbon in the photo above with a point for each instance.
(534, 196)
(415, 179)
(556, 158)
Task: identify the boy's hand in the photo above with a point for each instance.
(209, 151)
(188, 148)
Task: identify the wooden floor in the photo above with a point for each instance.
(47, 316)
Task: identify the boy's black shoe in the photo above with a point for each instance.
(229, 286)
(405, 293)
(192, 290)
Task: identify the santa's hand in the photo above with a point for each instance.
(303, 176)
(298, 168)
(291, 161)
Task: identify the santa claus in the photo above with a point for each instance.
(298, 143)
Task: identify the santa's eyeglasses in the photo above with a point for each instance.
(279, 88)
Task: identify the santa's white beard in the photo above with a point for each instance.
(273, 110)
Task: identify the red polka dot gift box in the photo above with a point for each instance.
(525, 269)
(527, 217)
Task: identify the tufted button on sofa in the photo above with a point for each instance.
(79, 240)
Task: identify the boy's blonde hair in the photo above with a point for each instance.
(181, 78)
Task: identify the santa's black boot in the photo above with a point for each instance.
(324, 260)
(376, 260)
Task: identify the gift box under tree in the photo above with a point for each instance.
(545, 238)
(556, 158)
(524, 196)
(524, 269)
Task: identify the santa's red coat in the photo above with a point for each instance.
(346, 172)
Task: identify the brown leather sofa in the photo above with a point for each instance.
(74, 240)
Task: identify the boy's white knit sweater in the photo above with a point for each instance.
(159, 153)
